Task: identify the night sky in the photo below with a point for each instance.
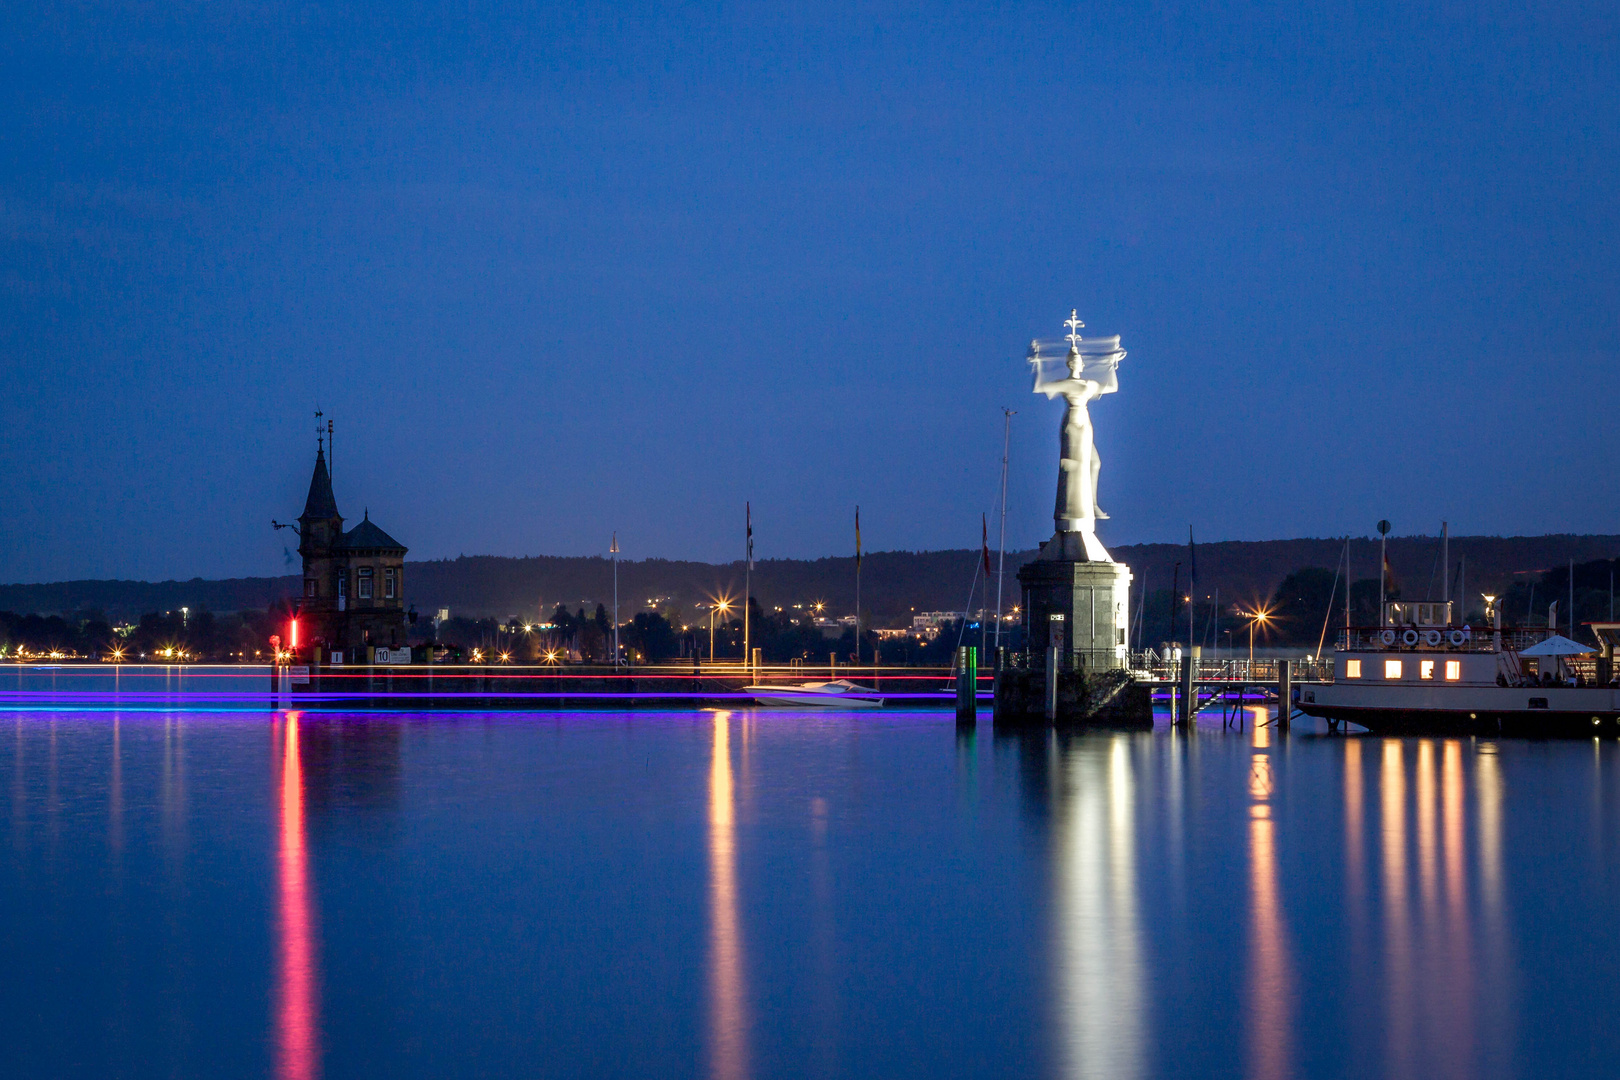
(565, 270)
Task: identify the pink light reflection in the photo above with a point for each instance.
(296, 1003)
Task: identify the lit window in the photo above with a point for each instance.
(365, 583)
(1392, 669)
(388, 582)
(1352, 669)
(1425, 669)
(1453, 670)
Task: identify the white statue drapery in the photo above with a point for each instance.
(1092, 371)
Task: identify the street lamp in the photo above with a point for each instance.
(721, 606)
(1255, 617)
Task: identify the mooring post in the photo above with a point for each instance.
(1188, 701)
(1285, 696)
(967, 679)
(1051, 682)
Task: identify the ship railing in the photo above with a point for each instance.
(1154, 666)
(1451, 639)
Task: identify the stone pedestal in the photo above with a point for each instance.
(1080, 605)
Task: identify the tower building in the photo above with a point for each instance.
(353, 598)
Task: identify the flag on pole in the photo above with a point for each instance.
(984, 533)
(748, 512)
(857, 537)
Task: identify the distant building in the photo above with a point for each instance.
(354, 582)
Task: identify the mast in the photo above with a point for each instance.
(614, 551)
(1445, 561)
(1001, 557)
(857, 586)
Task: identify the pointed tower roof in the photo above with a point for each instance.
(320, 506)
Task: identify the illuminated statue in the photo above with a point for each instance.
(1093, 371)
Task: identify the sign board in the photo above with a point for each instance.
(300, 675)
(337, 658)
(392, 656)
(1056, 616)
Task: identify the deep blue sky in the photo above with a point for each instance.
(559, 271)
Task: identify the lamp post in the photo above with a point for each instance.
(718, 605)
(1255, 617)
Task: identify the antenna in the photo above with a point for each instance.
(329, 446)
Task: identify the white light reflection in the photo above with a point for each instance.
(1102, 997)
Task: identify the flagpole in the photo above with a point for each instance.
(1383, 566)
(615, 552)
(857, 586)
(1001, 557)
(748, 585)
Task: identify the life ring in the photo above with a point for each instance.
(1431, 638)
(1409, 637)
(1387, 637)
(1456, 637)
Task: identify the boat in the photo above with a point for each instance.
(1419, 673)
(836, 694)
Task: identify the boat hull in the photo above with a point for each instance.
(1536, 712)
(799, 697)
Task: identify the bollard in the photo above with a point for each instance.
(967, 684)
(1189, 695)
(1051, 682)
(1285, 696)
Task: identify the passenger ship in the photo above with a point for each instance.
(1421, 674)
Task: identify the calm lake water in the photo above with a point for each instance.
(764, 894)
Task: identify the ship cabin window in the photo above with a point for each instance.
(365, 583)
(1392, 669)
(388, 582)
(1352, 669)
(1453, 670)
(1425, 669)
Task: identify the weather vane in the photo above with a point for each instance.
(1074, 324)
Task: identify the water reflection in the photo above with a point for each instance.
(727, 1019)
(1102, 995)
(297, 1007)
(1444, 1013)
(1268, 1029)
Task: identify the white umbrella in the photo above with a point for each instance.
(1557, 646)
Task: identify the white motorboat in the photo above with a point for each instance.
(836, 694)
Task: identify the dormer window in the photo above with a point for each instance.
(365, 583)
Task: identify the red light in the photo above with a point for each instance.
(292, 634)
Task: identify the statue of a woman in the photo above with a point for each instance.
(1090, 376)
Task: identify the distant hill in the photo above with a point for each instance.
(893, 583)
